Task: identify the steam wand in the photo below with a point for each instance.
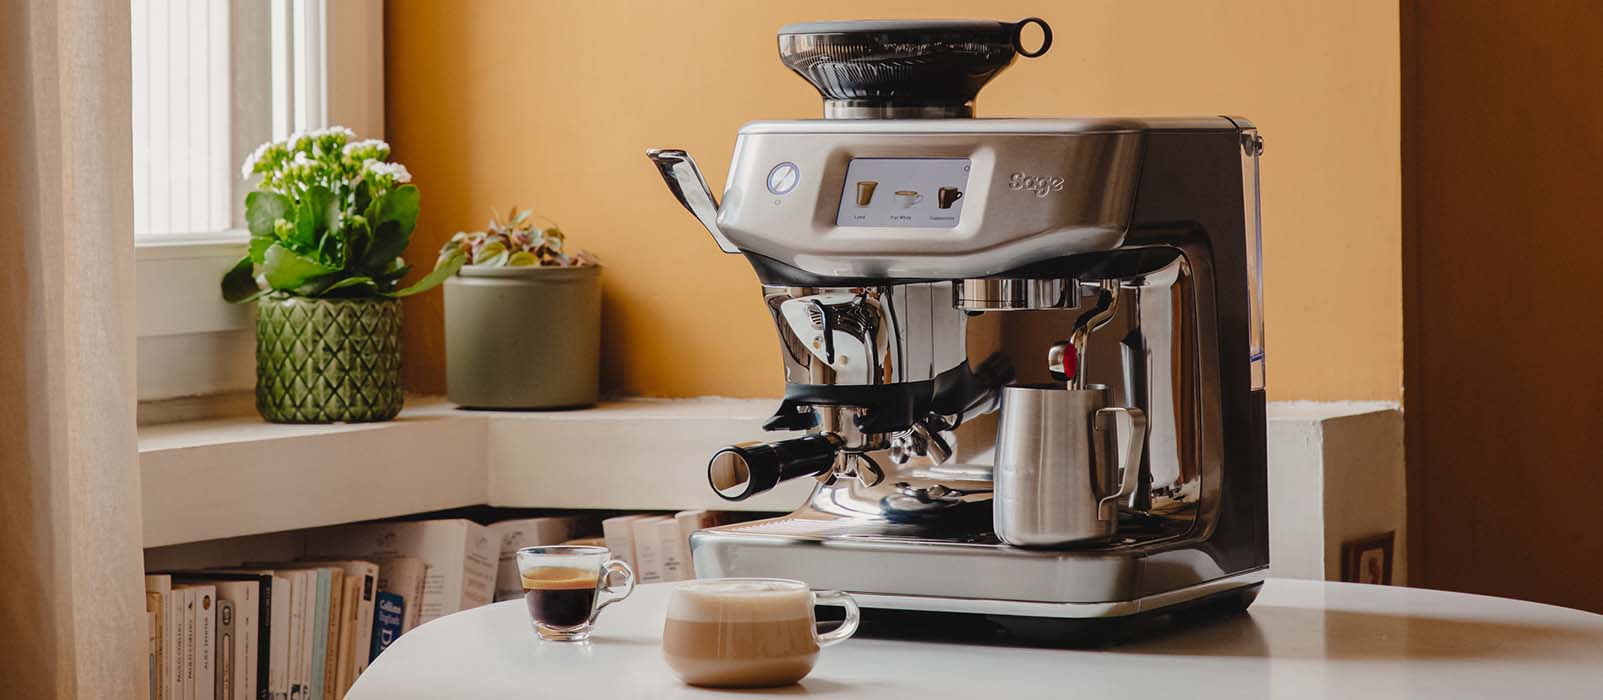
(1066, 359)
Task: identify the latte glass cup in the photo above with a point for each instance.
(748, 632)
(565, 587)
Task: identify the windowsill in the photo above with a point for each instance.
(1336, 469)
(238, 476)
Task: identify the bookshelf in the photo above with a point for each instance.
(239, 476)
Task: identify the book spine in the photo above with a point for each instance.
(669, 550)
(280, 657)
(619, 534)
(366, 610)
(226, 636)
(414, 600)
(157, 603)
(348, 618)
(184, 631)
(264, 642)
(169, 647)
(331, 635)
(297, 615)
(152, 642)
(319, 637)
(480, 553)
(648, 555)
(387, 618)
(205, 642)
(689, 522)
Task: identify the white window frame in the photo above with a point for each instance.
(328, 68)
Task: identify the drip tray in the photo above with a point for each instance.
(915, 566)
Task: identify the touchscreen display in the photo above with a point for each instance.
(903, 192)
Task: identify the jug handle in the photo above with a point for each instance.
(1132, 434)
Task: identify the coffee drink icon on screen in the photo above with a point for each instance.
(947, 196)
(865, 192)
(907, 198)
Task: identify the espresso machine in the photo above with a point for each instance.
(1132, 479)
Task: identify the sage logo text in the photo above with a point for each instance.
(1041, 186)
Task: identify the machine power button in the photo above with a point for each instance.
(783, 178)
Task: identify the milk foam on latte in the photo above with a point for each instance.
(740, 599)
(740, 633)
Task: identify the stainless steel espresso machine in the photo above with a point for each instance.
(1133, 481)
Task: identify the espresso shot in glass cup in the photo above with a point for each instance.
(565, 587)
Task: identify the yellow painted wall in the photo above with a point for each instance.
(553, 104)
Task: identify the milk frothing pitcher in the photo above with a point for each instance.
(1064, 461)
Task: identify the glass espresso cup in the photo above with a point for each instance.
(565, 587)
(748, 632)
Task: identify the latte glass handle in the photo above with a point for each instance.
(847, 626)
(1131, 436)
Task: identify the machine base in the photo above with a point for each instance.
(895, 566)
(1014, 630)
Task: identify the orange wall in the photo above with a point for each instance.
(552, 104)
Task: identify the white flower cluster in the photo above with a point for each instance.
(318, 134)
(395, 171)
(366, 149)
(302, 140)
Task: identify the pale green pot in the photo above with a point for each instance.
(523, 337)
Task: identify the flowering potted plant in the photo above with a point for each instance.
(522, 318)
(328, 224)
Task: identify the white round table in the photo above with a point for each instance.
(1302, 639)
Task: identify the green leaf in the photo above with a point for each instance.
(258, 248)
(262, 209)
(287, 270)
(334, 236)
(492, 254)
(311, 218)
(352, 282)
(315, 286)
(523, 258)
(396, 271)
(400, 205)
(443, 268)
(392, 217)
(239, 283)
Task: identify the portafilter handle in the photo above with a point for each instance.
(743, 470)
(684, 179)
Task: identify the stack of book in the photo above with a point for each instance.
(286, 630)
(657, 547)
(306, 628)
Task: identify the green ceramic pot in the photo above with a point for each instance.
(523, 337)
(328, 360)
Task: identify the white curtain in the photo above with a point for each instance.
(72, 620)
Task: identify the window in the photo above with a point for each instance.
(212, 79)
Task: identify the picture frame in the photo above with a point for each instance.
(1369, 560)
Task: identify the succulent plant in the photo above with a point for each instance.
(516, 241)
(329, 219)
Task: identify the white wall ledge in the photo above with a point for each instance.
(1335, 469)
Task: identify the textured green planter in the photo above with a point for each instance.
(523, 337)
(328, 360)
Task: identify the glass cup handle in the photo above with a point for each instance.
(609, 594)
(847, 626)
